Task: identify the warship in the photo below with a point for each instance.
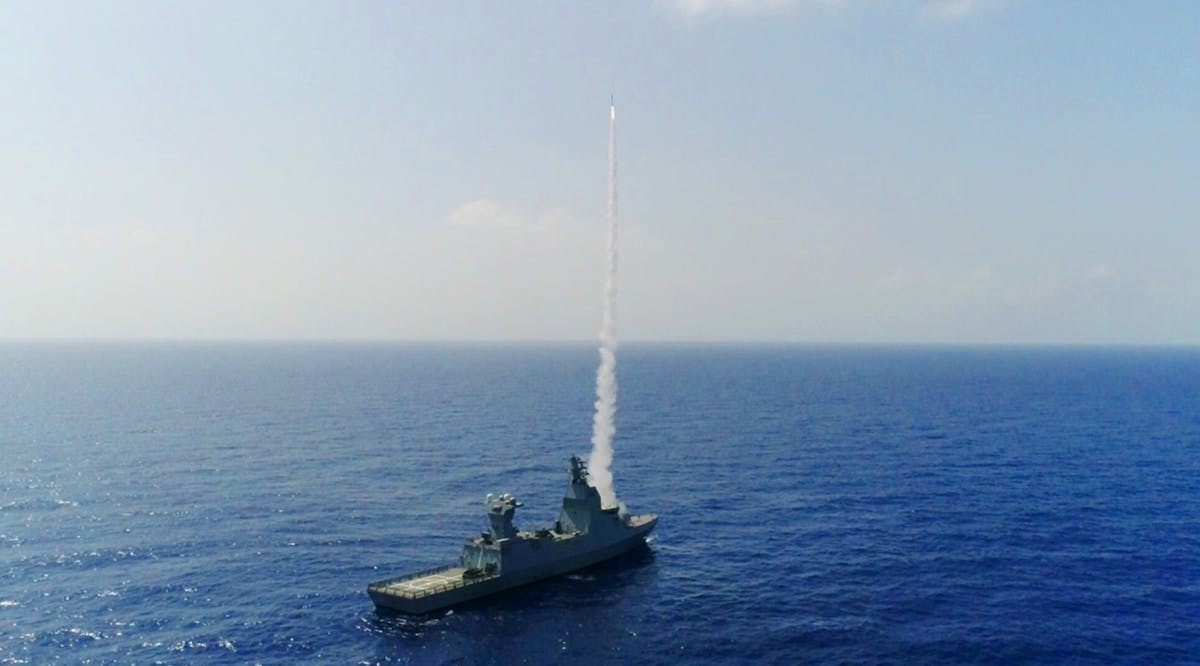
(504, 557)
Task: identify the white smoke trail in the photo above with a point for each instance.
(603, 427)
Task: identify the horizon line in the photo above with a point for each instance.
(591, 342)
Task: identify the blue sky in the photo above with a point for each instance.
(956, 171)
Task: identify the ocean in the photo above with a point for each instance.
(229, 503)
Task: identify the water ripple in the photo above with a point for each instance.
(227, 504)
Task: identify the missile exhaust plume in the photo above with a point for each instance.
(603, 426)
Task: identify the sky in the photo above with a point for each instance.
(826, 171)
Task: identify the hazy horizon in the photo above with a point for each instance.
(928, 172)
(590, 344)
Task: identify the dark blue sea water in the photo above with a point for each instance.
(228, 504)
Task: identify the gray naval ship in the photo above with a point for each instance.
(505, 557)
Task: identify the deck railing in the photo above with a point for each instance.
(410, 576)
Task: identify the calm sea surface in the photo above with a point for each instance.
(228, 504)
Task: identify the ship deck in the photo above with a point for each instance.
(423, 584)
(641, 519)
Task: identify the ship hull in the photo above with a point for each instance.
(553, 565)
